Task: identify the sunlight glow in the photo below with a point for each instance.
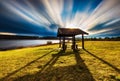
(7, 33)
(56, 9)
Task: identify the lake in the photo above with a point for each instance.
(6, 44)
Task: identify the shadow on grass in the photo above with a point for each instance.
(115, 68)
(12, 73)
(49, 72)
(51, 62)
(82, 68)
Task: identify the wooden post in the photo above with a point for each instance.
(64, 40)
(73, 42)
(82, 41)
(63, 45)
(59, 42)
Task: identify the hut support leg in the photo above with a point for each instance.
(73, 43)
(63, 45)
(59, 42)
(82, 41)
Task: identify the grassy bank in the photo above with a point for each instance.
(100, 61)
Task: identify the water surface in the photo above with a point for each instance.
(5, 44)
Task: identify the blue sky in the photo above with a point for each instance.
(99, 18)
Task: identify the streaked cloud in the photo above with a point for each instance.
(7, 33)
(93, 16)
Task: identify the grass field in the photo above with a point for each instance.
(100, 61)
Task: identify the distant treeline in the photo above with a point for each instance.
(102, 39)
(17, 37)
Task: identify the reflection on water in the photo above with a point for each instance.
(4, 44)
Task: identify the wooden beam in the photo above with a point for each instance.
(73, 42)
(63, 44)
(59, 42)
(82, 41)
(64, 40)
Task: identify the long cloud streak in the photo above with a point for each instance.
(60, 12)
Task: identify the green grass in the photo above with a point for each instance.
(100, 62)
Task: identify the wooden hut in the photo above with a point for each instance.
(68, 32)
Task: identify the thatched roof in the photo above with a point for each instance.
(69, 32)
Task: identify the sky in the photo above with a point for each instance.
(100, 18)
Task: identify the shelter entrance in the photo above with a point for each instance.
(63, 33)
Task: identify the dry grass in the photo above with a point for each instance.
(100, 62)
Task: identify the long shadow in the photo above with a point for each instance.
(12, 73)
(81, 67)
(49, 72)
(115, 68)
(52, 61)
